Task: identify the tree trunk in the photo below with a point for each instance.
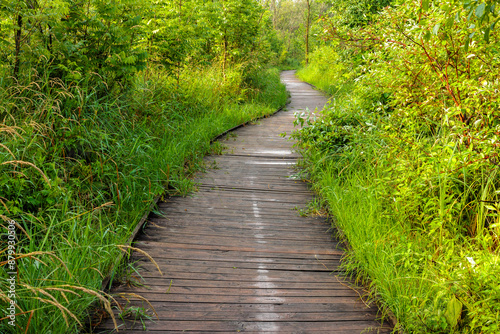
(17, 38)
(224, 62)
(275, 13)
(49, 46)
(308, 23)
(178, 65)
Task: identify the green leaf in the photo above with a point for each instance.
(453, 311)
(435, 30)
(494, 23)
(487, 35)
(470, 14)
(480, 10)
(425, 4)
(489, 207)
(449, 22)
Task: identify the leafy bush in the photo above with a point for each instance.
(412, 183)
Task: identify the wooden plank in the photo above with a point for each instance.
(243, 240)
(205, 197)
(254, 190)
(330, 309)
(242, 284)
(189, 267)
(237, 229)
(193, 252)
(244, 214)
(281, 250)
(303, 266)
(314, 223)
(271, 205)
(235, 292)
(217, 219)
(242, 299)
(242, 326)
(236, 315)
(236, 276)
(241, 258)
(268, 188)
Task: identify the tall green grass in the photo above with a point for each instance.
(77, 171)
(327, 71)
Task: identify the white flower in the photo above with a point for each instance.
(471, 261)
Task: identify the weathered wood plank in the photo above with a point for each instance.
(330, 309)
(258, 263)
(225, 291)
(291, 273)
(356, 326)
(242, 240)
(243, 284)
(236, 230)
(269, 249)
(237, 315)
(230, 258)
(236, 276)
(193, 252)
(236, 292)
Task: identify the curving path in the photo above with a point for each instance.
(237, 256)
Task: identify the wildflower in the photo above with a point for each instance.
(471, 261)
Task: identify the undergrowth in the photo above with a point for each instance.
(407, 170)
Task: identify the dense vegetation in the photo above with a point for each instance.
(406, 156)
(104, 105)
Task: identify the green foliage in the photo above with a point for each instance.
(409, 144)
(235, 25)
(96, 43)
(290, 21)
(73, 41)
(349, 14)
(171, 34)
(326, 69)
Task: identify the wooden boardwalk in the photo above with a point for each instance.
(237, 256)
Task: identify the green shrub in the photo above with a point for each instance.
(405, 159)
(76, 177)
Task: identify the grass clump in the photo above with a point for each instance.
(78, 169)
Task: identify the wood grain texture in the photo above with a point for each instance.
(238, 255)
